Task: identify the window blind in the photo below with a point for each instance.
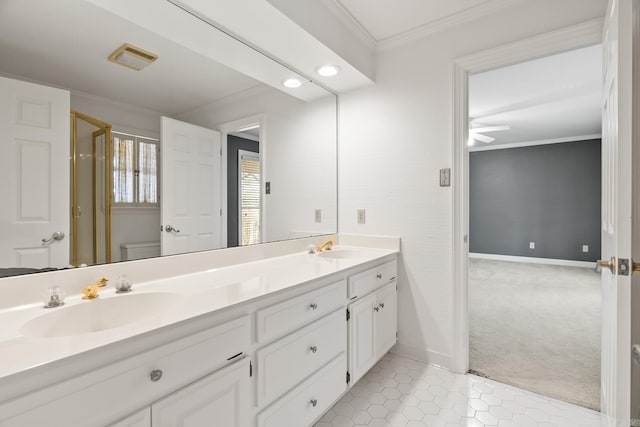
(249, 200)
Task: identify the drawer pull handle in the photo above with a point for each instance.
(313, 348)
(381, 305)
(379, 275)
(314, 402)
(313, 306)
(155, 375)
(376, 308)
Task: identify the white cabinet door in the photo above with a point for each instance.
(141, 418)
(386, 318)
(220, 399)
(362, 343)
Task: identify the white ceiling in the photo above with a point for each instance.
(384, 19)
(66, 43)
(550, 98)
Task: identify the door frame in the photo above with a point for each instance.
(225, 129)
(574, 37)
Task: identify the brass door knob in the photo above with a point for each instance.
(635, 268)
(611, 265)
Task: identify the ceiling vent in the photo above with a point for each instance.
(132, 57)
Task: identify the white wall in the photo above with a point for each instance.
(298, 154)
(397, 134)
(128, 224)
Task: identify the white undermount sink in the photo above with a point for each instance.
(339, 253)
(99, 314)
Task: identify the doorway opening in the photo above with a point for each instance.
(91, 190)
(534, 225)
(244, 186)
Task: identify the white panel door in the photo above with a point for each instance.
(616, 212)
(362, 341)
(191, 192)
(386, 318)
(34, 166)
(141, 418)
(221, 399)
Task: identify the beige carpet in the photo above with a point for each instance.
(537, 327)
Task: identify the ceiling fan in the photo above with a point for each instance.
(476, 133)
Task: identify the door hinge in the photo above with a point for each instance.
(250, 369)
(348, 377)
(348, 315)
(221, 152)
(396, 334)
(220, 212)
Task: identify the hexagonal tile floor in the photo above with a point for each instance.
(400, 392)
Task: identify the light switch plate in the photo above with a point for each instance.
(317, 215)
(585, 248)
(267, 187)
(362, 216)
(532, 245)
(445, 177)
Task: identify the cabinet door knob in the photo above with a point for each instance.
(155, 375)
(379, 275)
(314, 402)
(376, 308)
(381, 305)
(313, 348)
(313, 306)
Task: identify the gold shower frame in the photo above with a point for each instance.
(105, 128)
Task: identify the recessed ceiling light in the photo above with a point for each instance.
(292, 83)
(328, 70)
(132, 57)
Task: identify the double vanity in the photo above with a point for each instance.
(269, 343)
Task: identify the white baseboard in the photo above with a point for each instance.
(531, 260)
(423, 355)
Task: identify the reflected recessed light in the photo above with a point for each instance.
(328, 70)
(292, 83)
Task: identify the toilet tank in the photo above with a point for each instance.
(138, 250)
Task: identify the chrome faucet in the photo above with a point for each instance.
(325, 246)
(91, 291)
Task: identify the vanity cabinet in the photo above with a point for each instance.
(372, 329)
(132, 383)
(276, 361)
(221, 399)
(222, 396)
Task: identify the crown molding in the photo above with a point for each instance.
(580, 138)
(354, 26)
(445, 23)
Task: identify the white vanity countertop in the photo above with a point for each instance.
(193, 295)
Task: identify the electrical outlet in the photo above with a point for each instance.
(362, 216)
(445, 177)
(318, 215)
(532, 245)
(585, 248)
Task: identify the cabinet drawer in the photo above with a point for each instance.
(286, 316)
(288, 361)
(324, 388)
(77, 401)
(369, 280)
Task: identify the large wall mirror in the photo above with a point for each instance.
(123, 140)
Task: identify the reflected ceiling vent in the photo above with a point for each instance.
(132, 57)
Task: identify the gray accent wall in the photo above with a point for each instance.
(547, 194)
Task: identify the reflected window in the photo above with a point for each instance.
(135, 170)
